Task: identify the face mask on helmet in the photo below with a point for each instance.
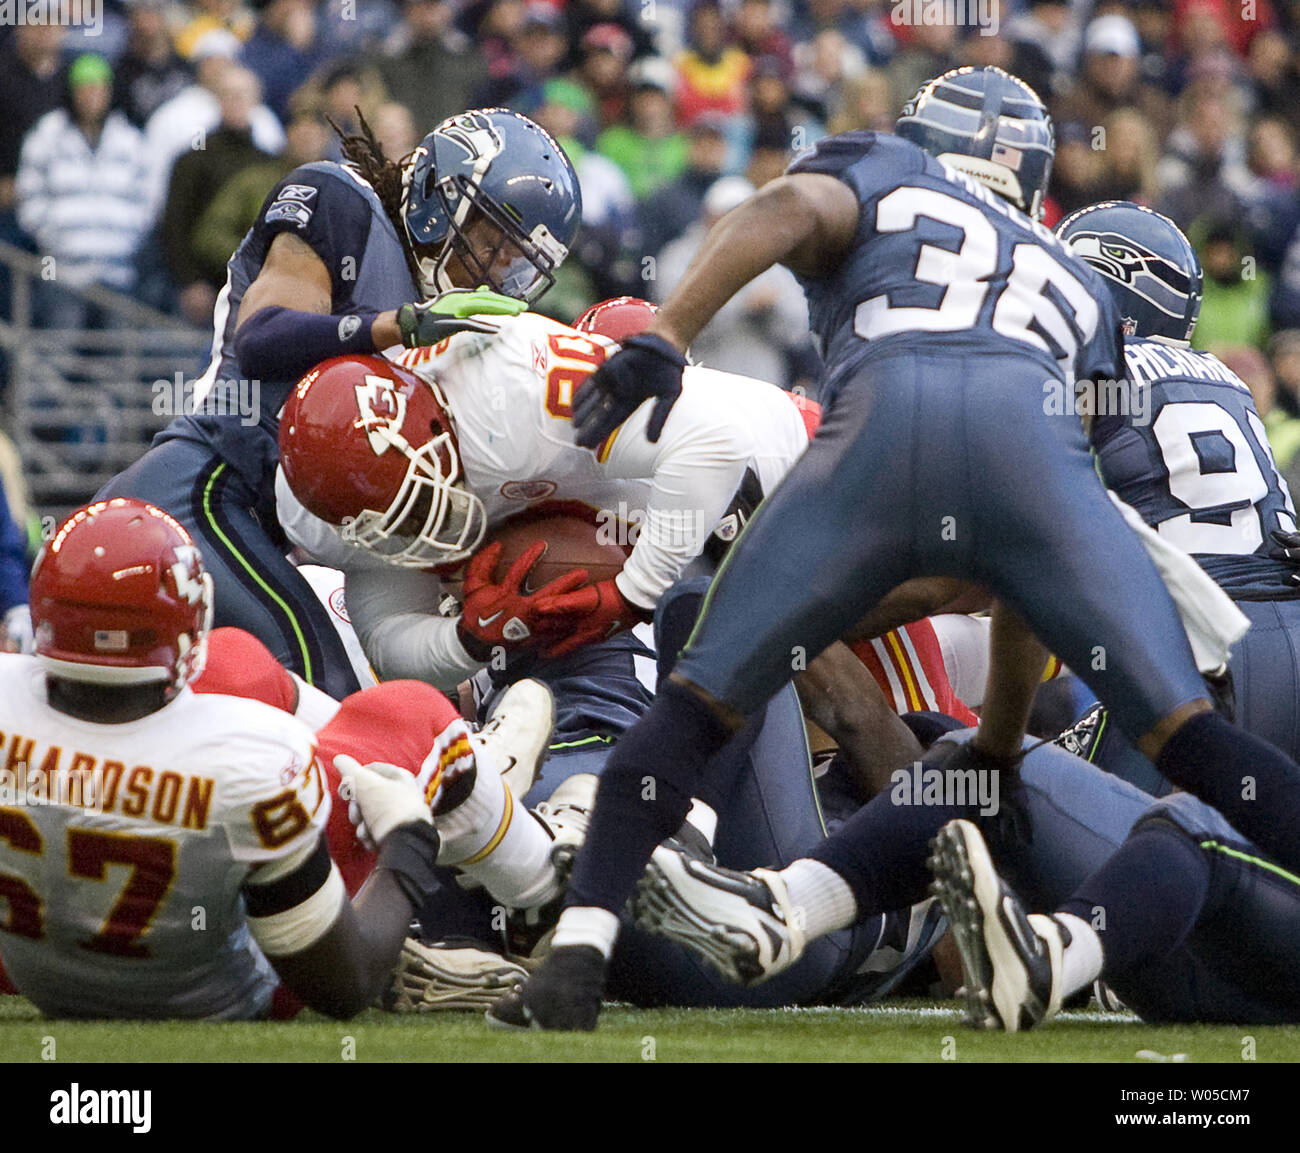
(432, 520)
(491, 200)
(991, 126)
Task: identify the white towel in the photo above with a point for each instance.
(1213, 623)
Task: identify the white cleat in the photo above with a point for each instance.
(515, 742)
(1011, 961)
(740, 923)
(450, 976)
(566, 813)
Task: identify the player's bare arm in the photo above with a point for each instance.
(839, 694)
(917, 598)
(805, 221)
(1016, 662)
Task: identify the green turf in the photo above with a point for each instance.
(905, 1031)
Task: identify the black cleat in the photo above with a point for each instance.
(564, 994)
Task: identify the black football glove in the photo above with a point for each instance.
(646, 367)
(1286, 546)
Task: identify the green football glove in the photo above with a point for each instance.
(426, 322)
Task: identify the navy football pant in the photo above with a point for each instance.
(256, 588)
(926, 466)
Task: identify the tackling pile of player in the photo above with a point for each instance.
(640, 798)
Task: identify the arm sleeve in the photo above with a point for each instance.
(395, 614)
(13, 559)
(695, 469)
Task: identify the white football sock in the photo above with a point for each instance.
(823, 896)
(703, 820)
(498, 843)
(1083, 955)
(587, 925)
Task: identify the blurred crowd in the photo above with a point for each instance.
(137, 158)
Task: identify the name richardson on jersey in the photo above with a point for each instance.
(34, 776)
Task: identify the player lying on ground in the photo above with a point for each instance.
(214, 806)
(1195, 926)
(931, 358)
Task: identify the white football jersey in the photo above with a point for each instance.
(124, 848)
(509, 394)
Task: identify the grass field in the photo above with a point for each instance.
(901, 1031)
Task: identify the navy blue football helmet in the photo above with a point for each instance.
(1149, 264)
(991, 126)
(497, 166)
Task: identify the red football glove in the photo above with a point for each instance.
(594, 613)
(502, 614)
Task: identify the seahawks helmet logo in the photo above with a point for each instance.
(476, 136)
(1156, 280)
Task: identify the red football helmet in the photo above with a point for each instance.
(369, 448)
(120, 597)
(617, 318)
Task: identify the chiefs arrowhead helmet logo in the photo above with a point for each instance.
(383, 410)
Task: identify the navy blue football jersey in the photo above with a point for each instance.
(1191, 455)
(339, 216)
(940, 261)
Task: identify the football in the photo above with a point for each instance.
(571, 543)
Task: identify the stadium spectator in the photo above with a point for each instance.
(1021, 58)
(768, 154)
(1111, 78)
(1053, 27)
(235, 206)
(649, 148)
(335, 93)
(772, 113)
(583, 15)
(183, 122)
(1282, 427)
(82, 195)
(711, 73)
(864, 103)
(395, 129)
(1235, 301)
(536, 51)
(1127, 163)
(1204, 166)
(1076, 171)
(195, 180)
(283, 51)
(15, 621)
(149, 72)
(1284, 359)
(823, 68)
(226, 16)
(1273, 78)
(667, 213)
(1152, 20)
(925, 50)
(606, 51)
(754, 29)
(757, 330)
(430, 66)
(33, 80)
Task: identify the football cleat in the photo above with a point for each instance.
(515, 741)
(740, 923)
(563, 995)
(450, 976)
(1011, 961)
(566, 813)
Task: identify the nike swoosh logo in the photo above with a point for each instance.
(483, 622)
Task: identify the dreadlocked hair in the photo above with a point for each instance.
(363, 152)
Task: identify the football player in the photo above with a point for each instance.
(333, 265)
(1185, 447)
(162, 851)
(943, 308)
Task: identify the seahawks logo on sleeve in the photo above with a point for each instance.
(292, 204)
